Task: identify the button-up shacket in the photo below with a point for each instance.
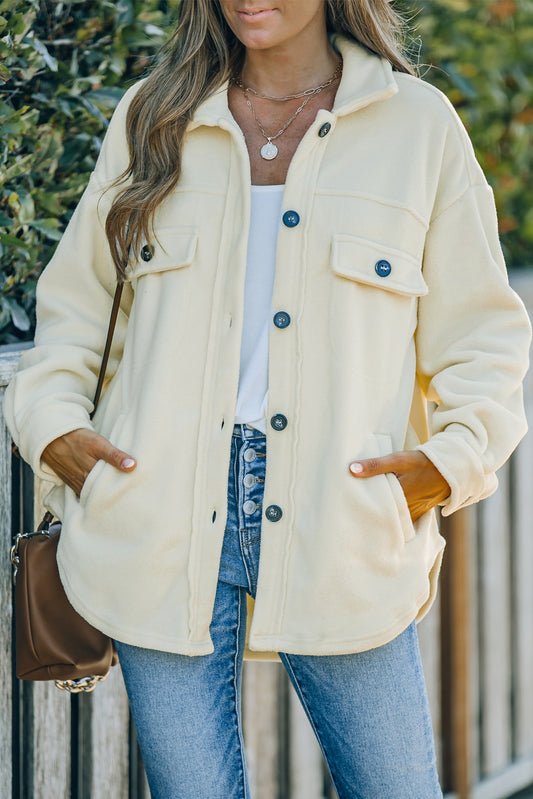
(390, 292)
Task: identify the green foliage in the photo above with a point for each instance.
(482, 57)
(64, 66)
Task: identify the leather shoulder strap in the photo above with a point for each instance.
(107, 348)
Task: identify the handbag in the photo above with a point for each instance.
(52, 641)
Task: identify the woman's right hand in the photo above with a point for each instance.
(73, 455)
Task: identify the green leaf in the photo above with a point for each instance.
(12, 241)
(48, 227)
(5, 314)
(8, 5)
(153, 30)
(17, 24)
(27, 208)
(19, 317)
(93, 110)
(20, 167)
(106, 98)
(41, 48)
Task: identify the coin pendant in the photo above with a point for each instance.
(269, 151)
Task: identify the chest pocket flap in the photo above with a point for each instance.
(373, 264)
(173, 248)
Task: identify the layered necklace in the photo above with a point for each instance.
(269, 150)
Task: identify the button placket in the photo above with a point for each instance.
(291, 219)
(252, 488)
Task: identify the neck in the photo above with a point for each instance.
(290, 67)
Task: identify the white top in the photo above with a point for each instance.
(265, 220)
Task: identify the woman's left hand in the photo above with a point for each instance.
(422, 483)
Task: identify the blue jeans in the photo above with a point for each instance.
(369, 710)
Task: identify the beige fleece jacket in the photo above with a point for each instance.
(393, 183)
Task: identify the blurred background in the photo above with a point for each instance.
(63, 68)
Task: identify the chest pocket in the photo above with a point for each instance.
(376, 265)
(174, 248)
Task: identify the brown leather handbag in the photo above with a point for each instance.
(52, 641)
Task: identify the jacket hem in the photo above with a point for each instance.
(342, 646)
(131, 636)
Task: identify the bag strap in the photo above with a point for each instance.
(107, 348)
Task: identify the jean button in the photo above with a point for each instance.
(249, 507)
(249, 455)
(249, 480)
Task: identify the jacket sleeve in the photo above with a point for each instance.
(472, 343)
(51, 393)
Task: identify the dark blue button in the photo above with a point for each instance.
(324, 130)
(273, 513)
(282, 319)
(383, 268)
(291, 218)
(279, 421)
(146, 253)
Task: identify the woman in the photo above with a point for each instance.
(309, 253)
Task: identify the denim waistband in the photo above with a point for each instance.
(245, 431)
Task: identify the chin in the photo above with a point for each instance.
(258, 41)
(258, 35)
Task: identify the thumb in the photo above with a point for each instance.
(372, 466)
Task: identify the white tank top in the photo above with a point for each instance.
(265, 221)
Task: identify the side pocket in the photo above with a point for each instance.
(99, 466)
(90, 481)
(385, 446)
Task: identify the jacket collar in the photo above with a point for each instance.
(366, 79)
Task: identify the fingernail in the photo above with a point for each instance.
(356, 468)
(127, 463)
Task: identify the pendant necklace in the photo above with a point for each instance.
(269, 150)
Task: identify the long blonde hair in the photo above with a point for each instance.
(199, 57)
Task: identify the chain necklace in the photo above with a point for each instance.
(269, 150)
(328, 82)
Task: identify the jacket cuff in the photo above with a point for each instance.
(462, 469)
(45, 425)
